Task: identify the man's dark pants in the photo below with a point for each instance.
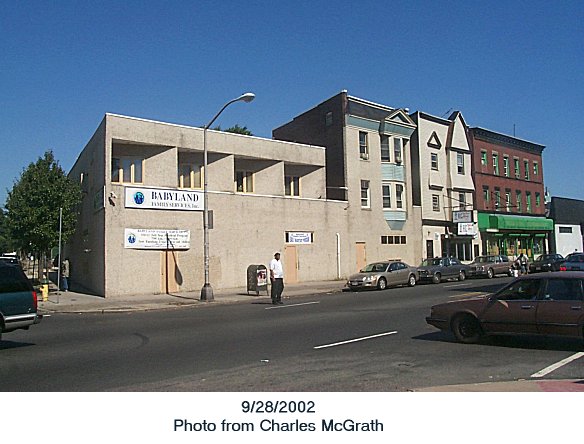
(277, 289)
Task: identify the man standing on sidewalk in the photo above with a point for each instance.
(277, 279)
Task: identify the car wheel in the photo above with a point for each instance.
(466, 328)
(461, 276)
(436, 278)
(412, 280)
(381, 284)
(490, 273)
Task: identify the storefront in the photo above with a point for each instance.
(512, 235)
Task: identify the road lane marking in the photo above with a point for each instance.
(457, 285)
(292, 305)
(557, 365)
(464, 295)
(355, 340)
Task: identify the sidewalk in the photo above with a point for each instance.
(73, 302)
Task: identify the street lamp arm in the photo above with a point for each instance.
(247, 97)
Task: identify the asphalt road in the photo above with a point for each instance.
(367, 341)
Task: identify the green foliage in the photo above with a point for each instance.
(33, 206)
(5, 243)
(235, 129)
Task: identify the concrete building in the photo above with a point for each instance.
(368, 165)
(140, 228)
(442, 186)
(568, 217)
(508, 177)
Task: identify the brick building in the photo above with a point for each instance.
(509, 194)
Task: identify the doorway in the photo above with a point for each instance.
(290, 264)
(429, 249)
(170, 275)
(361, 250)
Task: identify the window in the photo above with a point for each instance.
(527, 289)
(127, 169)
(508, 200)
(565, 230)
(495, 164)
(563, 290)
(292, 185)
(399, 191)
(189, 175)
(528, 201)
(497, 198)
(244, 182)
(390, 240)
(517, 172)
(385, 148)
(386, 191)
(435, 202)
(460, 163)
(397, 150)
(537, 199)
(483, 158)
(434, 161)
(486, 194)
(363, 147)
(461, 201)
(328, 118)
(518, 200)
(535, 168)
(365, 198)
(506, 166)
(526, 166)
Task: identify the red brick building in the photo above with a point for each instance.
(508, 178)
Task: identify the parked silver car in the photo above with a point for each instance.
(491, 265)
(384, 274)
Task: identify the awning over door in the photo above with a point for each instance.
(525, 223)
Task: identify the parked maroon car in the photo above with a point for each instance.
(543, 304)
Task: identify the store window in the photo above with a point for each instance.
(244, 181)
(127, 169)
(190, 175)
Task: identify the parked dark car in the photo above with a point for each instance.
(384, 274)
(440, 268)
(10, 260)
(490, 266)
(573, 262)
(546, 262)
(18, 300)
(543, 304)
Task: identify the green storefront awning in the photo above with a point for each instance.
(526, 223)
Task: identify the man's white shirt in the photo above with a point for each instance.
(276, 267)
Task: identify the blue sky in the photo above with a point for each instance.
(507, 66)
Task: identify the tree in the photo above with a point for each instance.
(235, 129)
(5, 243)
(33, 206)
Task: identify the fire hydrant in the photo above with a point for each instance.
(45, 292)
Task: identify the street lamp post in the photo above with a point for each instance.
(207, 290)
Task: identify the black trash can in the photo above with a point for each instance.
(257, 279)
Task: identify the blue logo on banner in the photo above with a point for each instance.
(132, 238)
(139, 198)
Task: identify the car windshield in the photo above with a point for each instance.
(430, 262)
(575, 257)
(377, 267)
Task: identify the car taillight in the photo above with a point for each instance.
(35, 302)
(563, 268)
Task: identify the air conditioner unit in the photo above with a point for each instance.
(365, 156)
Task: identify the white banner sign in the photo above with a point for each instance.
(299, 238)
(461, 216)
(146, 239)
(466, 229)
(164, 199)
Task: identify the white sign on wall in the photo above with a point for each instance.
(146, 239)
(466, 229)
(163, 199)
(299, 238)
(461, 216)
